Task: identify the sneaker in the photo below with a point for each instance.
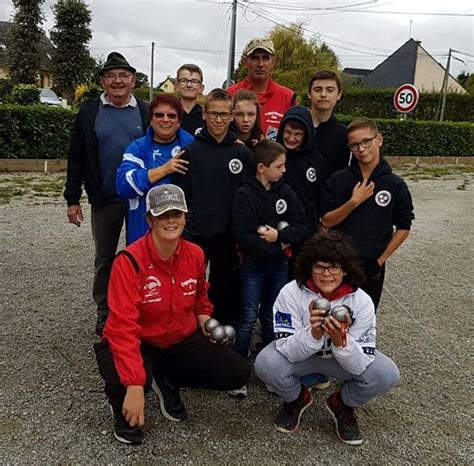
(288, 418)
(347, 427)
(239, 393)
(318, 381)
(123, 432)
(171, 405)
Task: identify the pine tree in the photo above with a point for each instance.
(71, 60)
(23, 53)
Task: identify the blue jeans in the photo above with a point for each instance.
(261, 282)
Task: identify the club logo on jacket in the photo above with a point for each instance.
(151, 289)
(175, 151)
(281, 206)
(189, 286)
(383, 198)
(235, 166)
(311, 174)
(272, 133)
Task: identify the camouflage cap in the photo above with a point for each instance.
(259, 43)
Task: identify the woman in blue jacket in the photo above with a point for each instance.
(150, 160)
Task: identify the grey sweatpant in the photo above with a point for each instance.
(284, 377)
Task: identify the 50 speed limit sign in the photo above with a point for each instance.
(405, 98)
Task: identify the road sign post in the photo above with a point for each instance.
(405, 99)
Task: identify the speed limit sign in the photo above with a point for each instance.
(405, 98)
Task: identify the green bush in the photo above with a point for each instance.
(25, 94)
(143, 93)
(40, 131)
(378, 103)
(35, 131)
(6, 87)
(424, 138)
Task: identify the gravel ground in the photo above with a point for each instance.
(53, 410)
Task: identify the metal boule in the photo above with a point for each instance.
(210, 324)
(229, 331)
(218, 334)
(340, 313)
(282, 224)
(262, 229)
(322, 303)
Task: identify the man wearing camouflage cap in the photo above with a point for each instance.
(275, 99)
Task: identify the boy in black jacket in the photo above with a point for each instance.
(215, 170)
(304, 164)
(366, 201)
(261, 206)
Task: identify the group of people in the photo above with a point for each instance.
(262, 196)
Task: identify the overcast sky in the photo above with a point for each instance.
(198, 30)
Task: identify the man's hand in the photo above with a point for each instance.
(316, 319)
(362, 191)
(134, 405)
(75, 215)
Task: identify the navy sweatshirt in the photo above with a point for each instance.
(255, 206)
(214, 174)
(370, 225)
(304, 168)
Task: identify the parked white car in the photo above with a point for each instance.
(49, 97)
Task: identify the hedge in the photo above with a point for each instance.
(378, 103)
(424, 138)
(40, 131)
(35, 131)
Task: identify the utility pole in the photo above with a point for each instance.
(152, 71)
(445, 87)
(230, 65)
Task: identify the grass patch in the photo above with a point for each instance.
(33, 185)
(417, 173)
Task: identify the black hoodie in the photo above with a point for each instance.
(214, 174)
(370, 225)
(304, 168)
(255, 206)
(331, 141)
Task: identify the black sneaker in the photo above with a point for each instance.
(171, 405)
(288, 418)
(123, 432)
(347, 427)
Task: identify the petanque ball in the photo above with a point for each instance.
(322, 304)
(281, 225)
(218, 334)
(210, 324)
(262, 229)
(229, 331)
(339, 313)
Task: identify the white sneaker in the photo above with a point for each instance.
(239, 393)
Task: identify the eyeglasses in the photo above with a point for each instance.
(170, 116)
(185, 82)
(364, 143)
(213, 115)
(332, 269)
(120, 76)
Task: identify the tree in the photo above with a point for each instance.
(467, 81)
(71, 60)
(142, 79)
(297, 58)
(23, 52)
